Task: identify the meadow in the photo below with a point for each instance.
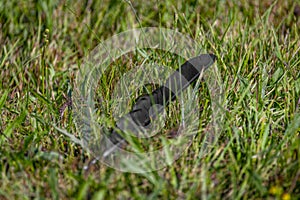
(257, 44)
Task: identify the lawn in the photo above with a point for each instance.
(257, 152)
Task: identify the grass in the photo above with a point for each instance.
(257, 154)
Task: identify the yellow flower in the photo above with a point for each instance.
(286, 196)
(275, 190)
